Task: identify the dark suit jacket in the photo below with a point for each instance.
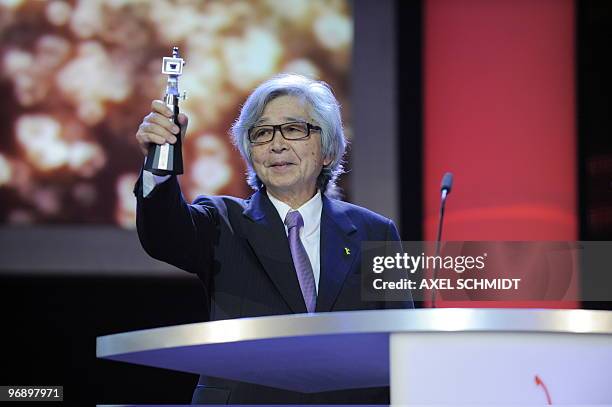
(240, 251)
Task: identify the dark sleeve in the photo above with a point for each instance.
(172, 230)
(393, 236)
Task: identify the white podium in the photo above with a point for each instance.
(427, 356)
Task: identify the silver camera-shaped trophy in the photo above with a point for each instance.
(167, 159)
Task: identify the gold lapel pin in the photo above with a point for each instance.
(347, 251)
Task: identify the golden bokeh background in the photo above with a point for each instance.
(77, 77)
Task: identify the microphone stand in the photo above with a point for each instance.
(447, 182)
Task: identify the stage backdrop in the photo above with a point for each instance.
(77, 77)
(499, 101)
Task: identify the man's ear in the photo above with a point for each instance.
(327, 161)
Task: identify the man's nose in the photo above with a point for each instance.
(278, 142)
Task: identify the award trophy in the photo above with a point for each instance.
(167, 159)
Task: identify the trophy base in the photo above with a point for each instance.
(165, 159)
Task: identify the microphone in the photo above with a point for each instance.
(445, 188)
(447, 184)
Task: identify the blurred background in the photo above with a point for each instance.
(512, 96)
(79, 77)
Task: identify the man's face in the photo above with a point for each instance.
(288, 168)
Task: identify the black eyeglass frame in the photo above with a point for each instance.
(276, 127)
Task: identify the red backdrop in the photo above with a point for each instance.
(500, 114)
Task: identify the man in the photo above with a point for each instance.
(289, 248)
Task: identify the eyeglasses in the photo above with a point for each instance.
(289, 131)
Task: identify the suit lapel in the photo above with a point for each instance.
(337, 235)
(265, 233)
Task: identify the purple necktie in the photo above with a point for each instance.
(294, 223)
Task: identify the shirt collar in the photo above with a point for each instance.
(310, 211)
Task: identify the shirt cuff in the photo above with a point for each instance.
(150, 181)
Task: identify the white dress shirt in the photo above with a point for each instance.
(310, 234)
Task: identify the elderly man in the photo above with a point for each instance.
(290, 247)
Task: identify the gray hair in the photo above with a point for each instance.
(325, 111)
